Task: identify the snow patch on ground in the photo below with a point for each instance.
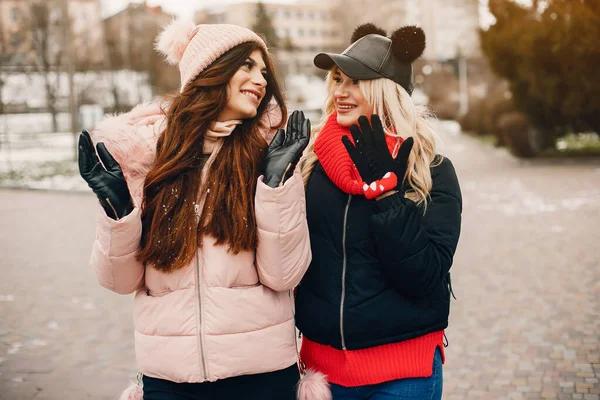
(39, 161)
(28, 89)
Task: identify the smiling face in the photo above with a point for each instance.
(246, 89)
(348, 99)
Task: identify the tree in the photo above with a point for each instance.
(44, 28)
(264, 25)
(135, 50)
(549, 52)
(162, 76)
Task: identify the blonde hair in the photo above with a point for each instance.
(400, 118)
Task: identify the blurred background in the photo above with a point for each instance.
(520, 74)
(515, 85)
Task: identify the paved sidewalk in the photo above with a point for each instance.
(62, 336)
(526, 324)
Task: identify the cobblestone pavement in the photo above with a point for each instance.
(526, 324)
(62, 336)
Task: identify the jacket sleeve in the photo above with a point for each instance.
(114, 252)
(283, 252)
(416, 250)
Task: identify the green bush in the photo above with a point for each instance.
(550, 57)
(515, 130)
(495, 108)
(473, 121)
(484, 113)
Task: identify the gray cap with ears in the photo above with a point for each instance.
(373, 55)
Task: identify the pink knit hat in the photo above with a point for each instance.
(196, 47)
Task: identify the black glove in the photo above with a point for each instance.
(109, 184)
(286, 149)
(370, 152)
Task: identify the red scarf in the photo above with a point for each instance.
(335, 159)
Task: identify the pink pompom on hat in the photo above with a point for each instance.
(195, 47)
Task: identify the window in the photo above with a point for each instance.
(299, 14)
(15, 40)
(300, 32)
(55, 15)
(14, 14)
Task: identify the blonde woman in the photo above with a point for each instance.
(384, 215)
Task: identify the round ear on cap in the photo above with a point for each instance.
(408, 43)
(172, 41)
(366, 29)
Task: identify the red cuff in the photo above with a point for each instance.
(379, 187)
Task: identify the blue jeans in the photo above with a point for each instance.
(401, 389)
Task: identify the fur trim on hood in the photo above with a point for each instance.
(131, 139)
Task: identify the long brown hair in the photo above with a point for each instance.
(171, 232)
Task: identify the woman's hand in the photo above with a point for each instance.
(286, 149)
(107, 182)
(379, 170)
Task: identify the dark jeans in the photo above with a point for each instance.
(402, 389)
(277, 385)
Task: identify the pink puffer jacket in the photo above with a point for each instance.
(223, 315)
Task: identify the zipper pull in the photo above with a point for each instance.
(197, 212)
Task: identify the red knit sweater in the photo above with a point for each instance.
(408, 359)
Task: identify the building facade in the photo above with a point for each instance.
(32, 31)
(130, 36)
(451, 26)
(303, 30)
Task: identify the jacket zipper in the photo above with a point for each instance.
(199, 316)
(344, 263)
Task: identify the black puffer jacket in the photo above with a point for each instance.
(380, 269)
